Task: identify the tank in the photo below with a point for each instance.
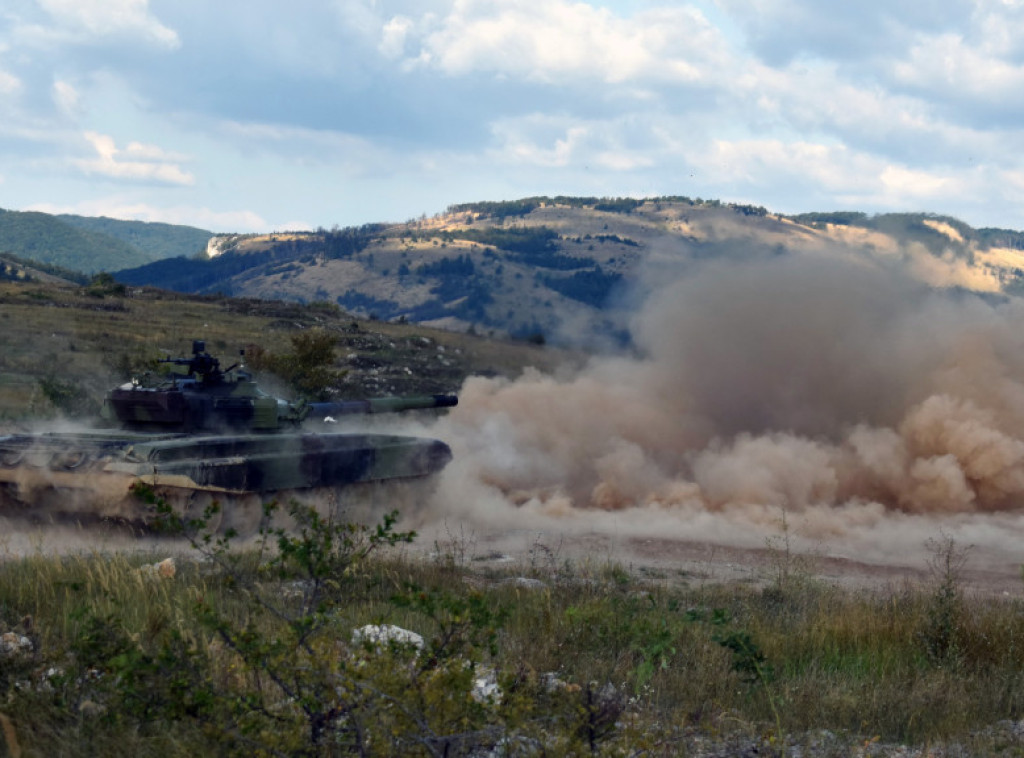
(200, 429)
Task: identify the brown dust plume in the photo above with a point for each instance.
(869, 409)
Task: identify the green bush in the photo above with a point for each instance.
(308, 367)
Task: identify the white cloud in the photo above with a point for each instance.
(902, 182)
(143, 163)
(549, 41)
(361, 109)
(393, 36)
(947, 64)
(830, 169)
(9, 83)
(520, 141)
(785, 30)
(96, 19)
(294, 226)
(754, 161)
(286, 134)
(319, 149)
(998, 27)
(821, 100)
(66, 97)
(143, 152)
(622, 160)
(206, 218)
(543, 141)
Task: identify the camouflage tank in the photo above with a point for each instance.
(201, 429)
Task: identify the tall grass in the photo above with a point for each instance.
(591, 659)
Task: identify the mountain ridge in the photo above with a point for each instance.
(557, 267)
(92, 244)
(550, 266)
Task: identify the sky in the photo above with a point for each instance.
(262, 115)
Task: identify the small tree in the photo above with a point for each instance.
(282, 673)
(308, 367)
(68, 396)
(104, 284)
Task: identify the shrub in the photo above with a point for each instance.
(308, 367)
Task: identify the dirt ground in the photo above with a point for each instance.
(535, 546)
(987, 570)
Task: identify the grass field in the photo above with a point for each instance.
(252, 651)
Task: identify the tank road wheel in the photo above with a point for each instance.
(184, 504)
(367, 502)
(11, 458)
(9, 497)
(242, 513)
(198, 506)
(69, 460)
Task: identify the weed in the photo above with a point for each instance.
(790, 571)
(942, 628)
(748, 661)
(543, 558)
(656, 645)
(453, 553)
(67, 396)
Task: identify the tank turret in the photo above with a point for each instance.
(207, 398)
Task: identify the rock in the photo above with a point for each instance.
(91, 709)
(552, 683)
(10, 736)
(164, 569)
(12, 644)
(526, 583)
(385, 634)
(485, 685)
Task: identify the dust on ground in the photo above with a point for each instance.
(987, 572)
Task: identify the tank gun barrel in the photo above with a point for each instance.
(382, 405)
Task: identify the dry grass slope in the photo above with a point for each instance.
(94, 341)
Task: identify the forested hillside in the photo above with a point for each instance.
(550, 268)
(15, 269)
(565, 268)
(155, 240)
(89, 245)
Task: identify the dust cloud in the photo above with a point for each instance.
(838, 396)
(870, 411)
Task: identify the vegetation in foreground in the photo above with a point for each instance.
(256, 651)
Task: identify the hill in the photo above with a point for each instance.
(63, 346)
(15, 269)
(89, 245)
(565, 267)
(155, 240)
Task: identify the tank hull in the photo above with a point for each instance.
(94, 470)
